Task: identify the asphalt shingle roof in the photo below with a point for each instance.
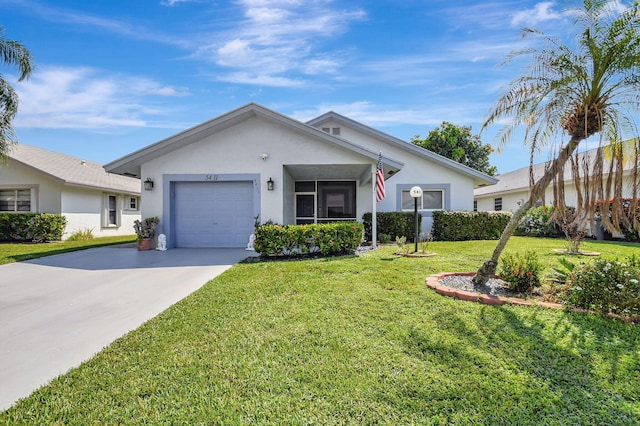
(518, 180)
(72, 170)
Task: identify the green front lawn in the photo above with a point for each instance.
(355, 340)
(11, 252)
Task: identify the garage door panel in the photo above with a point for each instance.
(213, 214)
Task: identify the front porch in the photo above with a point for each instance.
(323, 193)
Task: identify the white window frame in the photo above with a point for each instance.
(15, 201)
(118, 211)
(421, 199)
(132, 199)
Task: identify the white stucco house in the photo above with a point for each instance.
(42, 181)
(512, 188)
(210, 182)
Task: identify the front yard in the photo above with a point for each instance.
(10, 252)
(356, 340)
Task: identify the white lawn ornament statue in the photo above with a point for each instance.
(162, 242)
(250, 243)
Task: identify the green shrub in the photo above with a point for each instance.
(521, 272)
(384, 238)
(35, 227)
(81, 235)
(605, 286)
(401, 242)
(538, 223)
(296, 240)
(463, 225)
(424, 241)
(399, 224)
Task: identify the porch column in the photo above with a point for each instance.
(374, 220)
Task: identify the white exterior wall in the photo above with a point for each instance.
(416, 171)
(236, 150)
(85, 209)
(82, 207)
(510, 199)
(45, 192)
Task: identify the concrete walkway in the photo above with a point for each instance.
(58, 311)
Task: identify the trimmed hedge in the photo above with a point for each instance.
(35, 227)
(464, 225)
(394, 224)
(299, 240)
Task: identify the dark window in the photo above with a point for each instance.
(15, 200)
(336, 200)
(305, 186)
(112, 211)
(497, 204)
(432, 199)
(133, 203)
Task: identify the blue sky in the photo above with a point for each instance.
(114, 76)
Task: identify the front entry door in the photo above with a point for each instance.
(305, 208)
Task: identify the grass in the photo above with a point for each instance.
(11, 252)
(355, 340)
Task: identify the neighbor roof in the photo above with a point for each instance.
(518, 180)
(72, 170)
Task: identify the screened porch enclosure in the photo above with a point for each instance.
(326, 193)
(325, 201)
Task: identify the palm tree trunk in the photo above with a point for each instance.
(488, 268)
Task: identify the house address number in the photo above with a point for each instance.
(210, 178)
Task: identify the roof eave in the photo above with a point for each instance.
(130, 164)
(479, 178)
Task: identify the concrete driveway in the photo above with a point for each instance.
(58, 311)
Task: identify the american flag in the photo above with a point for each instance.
(380, 180)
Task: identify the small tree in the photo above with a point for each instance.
(458, 144)
(15, 54)
(577, 91)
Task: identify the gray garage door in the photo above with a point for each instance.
(213, 214)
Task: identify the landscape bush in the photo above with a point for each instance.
(81, 235)
(521, 272)
(465, 225)
(299, 240)
(394, 224)
(605, 286)
(33, 227)
(537, 222)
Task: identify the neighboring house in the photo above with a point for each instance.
(211, 182)
(42, 181)
(512, 188)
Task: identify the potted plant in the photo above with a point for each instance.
(146, 231)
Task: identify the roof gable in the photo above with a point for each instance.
(131, 163)
(479, 178)
(70, 170)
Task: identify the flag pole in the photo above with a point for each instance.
(374, 219)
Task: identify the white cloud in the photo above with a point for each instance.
(91, 22)
(57, 97)
(542, 12)
(278, 39)
(385, 115)
(241, 77)
(175, 2)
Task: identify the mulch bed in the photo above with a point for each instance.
(460, 286)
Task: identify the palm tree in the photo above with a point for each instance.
(15, 54)
(578, 92)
